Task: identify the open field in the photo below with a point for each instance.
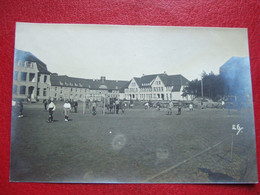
(138, 146)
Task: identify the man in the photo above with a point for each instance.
(20, 106)
(51, 109)
(75, 104)
(67, 108)
(146, 105)
(170, 107)
(191, 107)
(179, 109)
(94, 108)
(222, 104)
(117, 106)
(45, 103)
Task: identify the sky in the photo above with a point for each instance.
(122, 52)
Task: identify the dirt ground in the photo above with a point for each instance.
(139, 146)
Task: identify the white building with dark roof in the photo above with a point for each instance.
(156, 87)
(31, 78)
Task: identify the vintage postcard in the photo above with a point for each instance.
(132, 104)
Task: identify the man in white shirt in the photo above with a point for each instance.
(67, 108)
(51, 109)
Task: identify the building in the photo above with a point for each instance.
(31, 78)
(237, 77)
(65, 87)
(156, 87)
(33, 81)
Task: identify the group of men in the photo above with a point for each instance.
(170, 107)
(50, 106)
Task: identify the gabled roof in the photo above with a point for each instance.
(168, 80)
(27, 56)
(66, 81)
(122, 89)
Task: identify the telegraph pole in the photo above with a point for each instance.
(201, 86)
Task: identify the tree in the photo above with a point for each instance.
(213, 86)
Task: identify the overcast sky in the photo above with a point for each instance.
(123, 52)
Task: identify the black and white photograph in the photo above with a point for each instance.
(132, 104)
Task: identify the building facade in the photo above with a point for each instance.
(64, 87)
(156, 87)
(31, 78)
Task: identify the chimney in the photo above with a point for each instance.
(103, 78)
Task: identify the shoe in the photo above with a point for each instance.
(66, 119)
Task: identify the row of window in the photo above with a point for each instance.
(26, 64)
(22, 90)
(82, 90)
(149, 96)
(30, 76)
(148, 89)
(158, 89)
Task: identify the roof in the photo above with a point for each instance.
(27, 56)
(66, 81)
(168, 80)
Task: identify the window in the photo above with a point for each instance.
(16, 75)
(45, 79)
(39, 78)
(23, 76)
(14, 89)
(38, 91)
(31, 77)
(22, 90)
(44, 91)
(55, 88)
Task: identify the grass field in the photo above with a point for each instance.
(137, 146)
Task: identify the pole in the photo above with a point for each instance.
(84, 104)
(104, 109)
(232, 143)
(201, 86)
